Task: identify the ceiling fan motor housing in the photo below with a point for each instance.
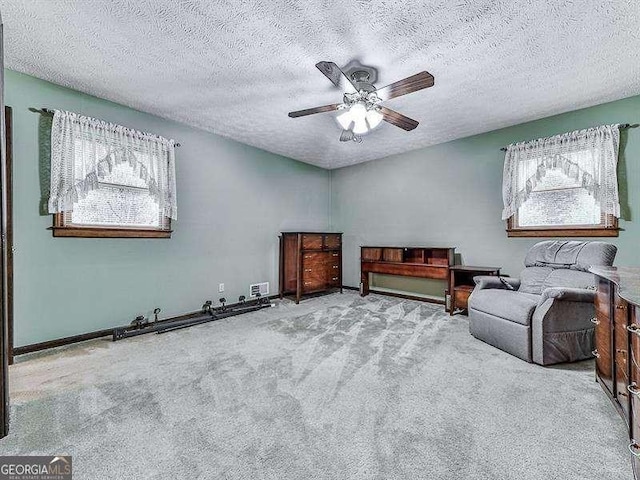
(363, 76)
(361, 110)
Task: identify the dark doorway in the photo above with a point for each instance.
(5, 204)
(8, 198)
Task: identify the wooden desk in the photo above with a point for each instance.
(461, 284)
(421, 262)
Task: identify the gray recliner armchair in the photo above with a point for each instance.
(545, 316)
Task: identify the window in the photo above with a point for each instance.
(564, 185)
(110, 181)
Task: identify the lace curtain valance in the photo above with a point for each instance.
(84, 149)
(589, 156)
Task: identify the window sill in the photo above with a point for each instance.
(109, 232)
(562, 232)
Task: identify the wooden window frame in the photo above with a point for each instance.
(513, 230)
(61, 229)
(599, 230)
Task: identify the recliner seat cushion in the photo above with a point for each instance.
(509, 305)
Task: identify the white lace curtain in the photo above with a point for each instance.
(589, 156)
(84, 149)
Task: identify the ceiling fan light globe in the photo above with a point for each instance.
(358, 114)
(374, 118)
(345, 120)
(358, 111)
(360, 126)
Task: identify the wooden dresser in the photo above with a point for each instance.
(422, 262)
(617, 339)
(310, 262)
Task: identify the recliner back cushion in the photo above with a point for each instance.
(536, 279)
(532, 279)
(572, 254)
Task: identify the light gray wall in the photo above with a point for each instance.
(450, 195)
(232, 200)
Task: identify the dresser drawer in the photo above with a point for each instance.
(311, 241)
(315, 270)
(332, 241)
(333, 268)
(621, 354)
(312, 282)
(310, 259)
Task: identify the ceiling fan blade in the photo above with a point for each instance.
(346, 136)
(398, 119)
(337, 76)
(408, 85)
(311, 111)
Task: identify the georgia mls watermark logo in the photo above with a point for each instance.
(35, 468)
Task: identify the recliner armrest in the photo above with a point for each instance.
(567, 294)
(490, 281)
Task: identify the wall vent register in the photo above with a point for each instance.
(259, 288)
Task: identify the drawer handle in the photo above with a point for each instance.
(334, 278)
(306, 283)
(595, 321)
(621, 307)
(634, 328)
(595, 353)
(334, 254)
(633, 389)
(335, 266)
(633, 448)
(307, 256)
(307, 269)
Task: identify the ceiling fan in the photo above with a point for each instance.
(361, 107)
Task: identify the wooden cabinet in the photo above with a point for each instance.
(634, 387)
(310, 262)
(604, 335)
(617, 339)
(423, 262)
(621, 354)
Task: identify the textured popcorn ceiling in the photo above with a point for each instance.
(237, 67)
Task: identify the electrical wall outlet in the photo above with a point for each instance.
(221, 288)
